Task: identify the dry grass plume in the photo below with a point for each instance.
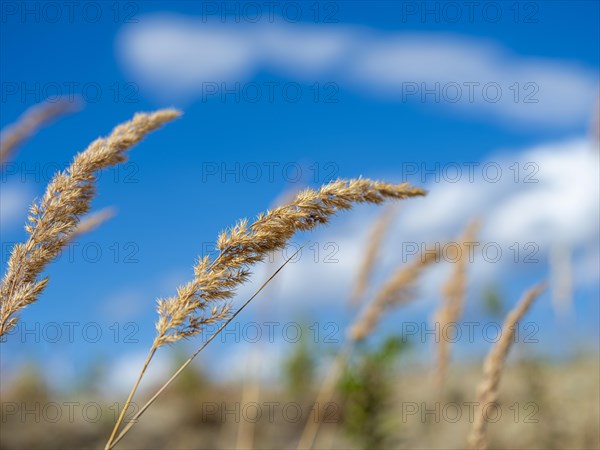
(29, 123)
(204, 300)
(395, 291)
(376, 236)
(201, 301)
(92, 221)
(453, 299)
(56, 216)
(487, 391)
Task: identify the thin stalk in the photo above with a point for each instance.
(363, 325)
(309, 434)
(135, 386)
(136, 417)
(250, 394)
(130, 398)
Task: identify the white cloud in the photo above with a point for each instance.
(175, 56)
(562, 208)
(125, 304)
(547, 91)
(15, 198)
(305, 52)
(126, 368)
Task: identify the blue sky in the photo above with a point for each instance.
(170, 202)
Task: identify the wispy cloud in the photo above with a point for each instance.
(175, 56)
(15, 198)
(553, 202)
(126, 368)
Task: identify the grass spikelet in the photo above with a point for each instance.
(487, 391)
(395, 291)
(204, 299)
(55, 217)
(375, 239)
(453, 299)
(188, 361)
(29, 123)
(246, 244)
(92, 221)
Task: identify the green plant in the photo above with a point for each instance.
(366, 387)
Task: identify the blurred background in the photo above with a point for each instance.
(492, 107)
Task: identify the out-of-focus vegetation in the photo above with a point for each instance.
(367, 389)
(385, 399)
